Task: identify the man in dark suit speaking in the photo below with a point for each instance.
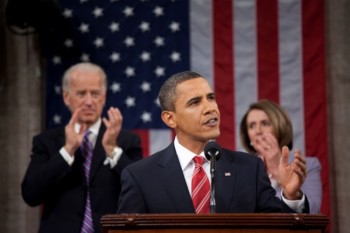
(175, 180)
(75, 170)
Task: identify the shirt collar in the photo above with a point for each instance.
(185, 156)
(93, 128)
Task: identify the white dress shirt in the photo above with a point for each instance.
(187, 164)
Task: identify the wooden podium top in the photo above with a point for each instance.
(214, 223)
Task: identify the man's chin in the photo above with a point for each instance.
(213, 135)
(216, 133)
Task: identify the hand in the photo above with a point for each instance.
(73, 139)
(293, 175)
(268, 150)
(113, 126)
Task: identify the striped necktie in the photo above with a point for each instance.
(87, 151)
(200, 187)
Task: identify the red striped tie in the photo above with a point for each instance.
(200, 187)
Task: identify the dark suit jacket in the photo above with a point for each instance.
(157, 185)
(62, 189)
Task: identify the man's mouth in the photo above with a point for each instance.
(87, 112)
(211, 122)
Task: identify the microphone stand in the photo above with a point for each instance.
(212, 187)
(212, 152)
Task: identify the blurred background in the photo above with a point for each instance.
(294, 52)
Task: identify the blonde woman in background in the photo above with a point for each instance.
(264, 130)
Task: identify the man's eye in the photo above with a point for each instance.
(194, 102)
(96, 94)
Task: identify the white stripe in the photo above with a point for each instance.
(201, 41)
(245, 59)
(200, 184)
(159, 139)
(203, 203)
(291, 80)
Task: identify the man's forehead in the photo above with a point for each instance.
(194, 84)
(198, 92)
(78, 86)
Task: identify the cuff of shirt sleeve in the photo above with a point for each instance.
(274, 182)
(113, 159)
(66, 156)
(296, 205)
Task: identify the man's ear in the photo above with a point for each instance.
(65, 96)
(169, 119)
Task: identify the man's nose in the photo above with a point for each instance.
(209, 106)
(88, 99)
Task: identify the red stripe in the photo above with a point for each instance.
(173, 134)
(145, 141)
(223, 69)
(315, 91)
(267, 48)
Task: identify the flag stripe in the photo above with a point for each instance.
(223, 69)
(201, 39)
(267, 53)
(315, 103)
(160, 138)
(290, 63)
(145, 140)
(245, 62)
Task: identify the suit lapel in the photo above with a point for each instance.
(225, 177)
(173, 181)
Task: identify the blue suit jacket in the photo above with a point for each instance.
(62, 189)
(157, 185)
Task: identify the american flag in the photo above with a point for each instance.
(247, 49)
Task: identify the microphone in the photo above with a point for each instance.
(212, 152)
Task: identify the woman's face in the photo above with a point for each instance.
(258, 124)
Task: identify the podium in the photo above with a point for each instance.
(214, 223)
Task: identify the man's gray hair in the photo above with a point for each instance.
(86, 66)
